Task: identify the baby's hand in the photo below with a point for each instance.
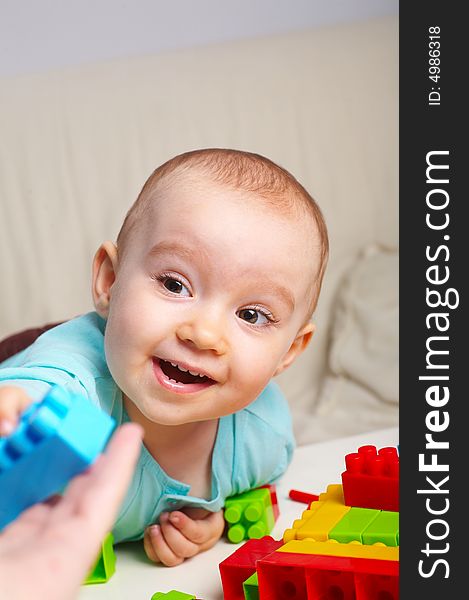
(181, 535)
(13, 401)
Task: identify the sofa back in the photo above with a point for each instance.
(76, 146)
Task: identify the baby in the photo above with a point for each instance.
(207, 295)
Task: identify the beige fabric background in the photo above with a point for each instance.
(77, 145)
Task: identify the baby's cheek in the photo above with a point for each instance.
(249, 385)
(113, 358)
(260, 366)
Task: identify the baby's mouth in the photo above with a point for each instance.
(180, 375)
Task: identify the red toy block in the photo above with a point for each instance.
(290, 576)
(273, 498)
(304, 497)
(308, 569)
(240, 565)
(377, 586)
(371, 479)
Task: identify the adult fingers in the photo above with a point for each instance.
(13, 400)
(95, 496)
(24, 528)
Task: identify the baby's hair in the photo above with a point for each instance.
(239, 170)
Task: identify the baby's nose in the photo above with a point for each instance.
(204, 334)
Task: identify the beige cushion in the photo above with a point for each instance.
(360, 391)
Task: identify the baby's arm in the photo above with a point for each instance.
(13, 401)
(182, 534)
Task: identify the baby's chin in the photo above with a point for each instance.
(146, 413)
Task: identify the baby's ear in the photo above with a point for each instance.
(302, 339)
(104, 275)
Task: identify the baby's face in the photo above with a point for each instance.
(209, 302)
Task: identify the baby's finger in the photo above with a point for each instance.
(13, 400)
(161, 548)
(190, 528)
(177, 542)
(148, 546)
(198, 531)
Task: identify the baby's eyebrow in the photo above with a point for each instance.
(168, 247)
(276, 289)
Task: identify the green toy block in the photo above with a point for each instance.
(249, 515)
(172, 595)
(251, 588)
(352, 525)
(385, 529)
(105, 564)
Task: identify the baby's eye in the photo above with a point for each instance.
(253, 316)
(173, 285)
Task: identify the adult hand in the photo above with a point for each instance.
(13, 400)
(47, 552)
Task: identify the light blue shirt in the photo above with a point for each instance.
(253, 446)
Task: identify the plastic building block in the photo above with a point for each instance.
(304, 497)
(385, 529)
(172, 595)
(249, 515)
(353, 524)
(371, 478)
(317, 521)
(351, 550)
(240, 565)
(334, 493)
(105, 565)
(328, 518)
(273, 498)
(290, 576)
(377, 584)
(340, 549)
(55, 440)
(251, 588)
(282, 577)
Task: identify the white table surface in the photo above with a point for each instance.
(313, 468)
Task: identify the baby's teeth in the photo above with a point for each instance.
(185, 370)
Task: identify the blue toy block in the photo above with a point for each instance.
(55, 440)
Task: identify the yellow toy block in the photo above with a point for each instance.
(316, 522)
(332, 548)
(322, 521)
(334, 493)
